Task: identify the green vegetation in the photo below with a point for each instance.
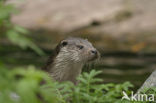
(14, 33)
(29, 85)
(25, 85)
(22, 85)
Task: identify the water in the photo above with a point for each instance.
(117, 67)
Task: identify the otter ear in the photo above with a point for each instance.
(64, 43)
(60, 45)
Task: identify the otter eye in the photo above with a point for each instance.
(64, 43)
(80, 46)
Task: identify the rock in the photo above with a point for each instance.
(113, 25)
(150, 82)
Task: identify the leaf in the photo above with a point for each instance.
(20, 29)
(22, 41)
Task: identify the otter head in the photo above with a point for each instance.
(69, 57)
(77, 50)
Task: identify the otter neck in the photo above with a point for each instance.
(65, 69)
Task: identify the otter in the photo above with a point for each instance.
(68, 58)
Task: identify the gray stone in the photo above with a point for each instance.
(113, 24)
(150, 82)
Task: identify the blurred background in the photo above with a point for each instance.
(124, 31)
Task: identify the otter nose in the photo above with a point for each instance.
(94, 52)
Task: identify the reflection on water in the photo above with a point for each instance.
(117, 67)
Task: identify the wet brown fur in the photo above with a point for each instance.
(50, 65)
(51, 58)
